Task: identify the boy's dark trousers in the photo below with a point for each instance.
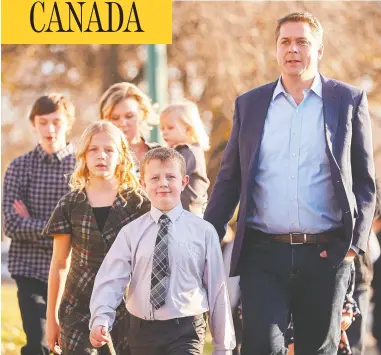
(32, 297)
(277, 279)
(179, 336)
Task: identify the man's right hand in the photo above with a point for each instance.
(99, 336)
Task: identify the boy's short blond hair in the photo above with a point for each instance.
(163, 154)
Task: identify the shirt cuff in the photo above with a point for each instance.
(99, 321)
(356, 249)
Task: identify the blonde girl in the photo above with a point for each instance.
(105, 195)
(127, 107)
(183, 130)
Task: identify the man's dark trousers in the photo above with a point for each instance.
(278, 279)
(32, 297)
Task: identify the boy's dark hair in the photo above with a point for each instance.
(164, 155)
(50, 103)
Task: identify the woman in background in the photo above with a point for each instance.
(128, 108)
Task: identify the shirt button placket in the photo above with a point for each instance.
(293, 173)
(293, 180)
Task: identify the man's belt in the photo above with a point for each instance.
(302, 238)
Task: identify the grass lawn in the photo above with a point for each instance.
(12, 334)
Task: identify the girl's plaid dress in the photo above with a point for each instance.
(74, 215)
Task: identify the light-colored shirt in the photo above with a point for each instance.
(293, 190)
(197, 281)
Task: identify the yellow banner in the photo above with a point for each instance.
(86, 22)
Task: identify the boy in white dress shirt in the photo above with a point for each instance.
(172, 261)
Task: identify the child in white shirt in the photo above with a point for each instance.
(172, 261)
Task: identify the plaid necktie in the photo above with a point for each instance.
(160, 264)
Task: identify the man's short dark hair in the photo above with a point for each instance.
(306, 17)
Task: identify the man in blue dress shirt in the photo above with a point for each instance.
(300, 163)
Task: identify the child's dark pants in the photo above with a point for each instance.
(179, 336)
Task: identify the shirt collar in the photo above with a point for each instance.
(316, 87)
(173, 214)
(64, 152)
(60, 155)
(41, 153)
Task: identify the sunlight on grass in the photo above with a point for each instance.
(12, 334)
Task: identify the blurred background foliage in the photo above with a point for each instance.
(219, 50)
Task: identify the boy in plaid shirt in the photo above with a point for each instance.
(33, 184)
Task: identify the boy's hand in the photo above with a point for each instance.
(20, 208)
(99, 336)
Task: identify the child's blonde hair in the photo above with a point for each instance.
(125, 170)
(188, 113)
